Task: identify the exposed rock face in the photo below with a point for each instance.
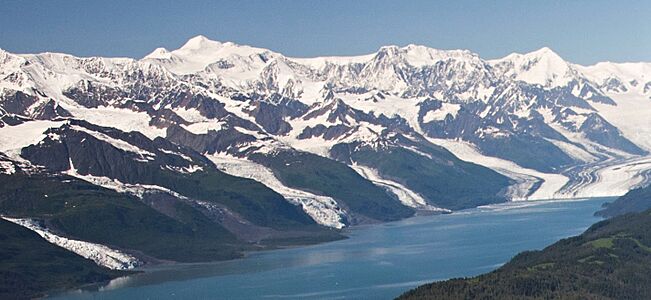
(533, 113)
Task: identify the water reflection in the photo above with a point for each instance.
(117, 283)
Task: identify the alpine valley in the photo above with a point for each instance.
(214, 149)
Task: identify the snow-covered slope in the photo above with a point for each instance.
(543, 67)
(199, 52)
(534, 117)
(629, 85)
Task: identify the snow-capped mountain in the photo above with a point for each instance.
(543, 67)
(235, 148)
(527, 126)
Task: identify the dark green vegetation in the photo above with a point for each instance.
(611, 260)
(29, 265)
(249, 198)
(80, 210)
(90, 155)
(214, 216)
(530, 152)
(636, 200)
(445, 181)
(324, 176)
(91, 213)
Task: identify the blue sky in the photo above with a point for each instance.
(581, 31)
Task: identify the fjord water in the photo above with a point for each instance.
(376, 262)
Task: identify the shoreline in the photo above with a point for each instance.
(350, 229)
(347, 232)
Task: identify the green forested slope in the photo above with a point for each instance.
(30, 266)
(611, 260)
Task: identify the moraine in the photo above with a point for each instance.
(377, 261)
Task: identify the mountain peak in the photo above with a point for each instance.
(543, 66)
(389, 49)
(419, 55)
(159, 53)
(545, 52)
(199, 42)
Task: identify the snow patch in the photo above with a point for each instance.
(181, 155)
(15, 138)
(123, 119)
(190, 114)
(203, 127)
(7, 167)
(117, 143)
(100, 254)
(404, 194)
(440, 114)
(137, 190)
(322, 209)
(573, 151)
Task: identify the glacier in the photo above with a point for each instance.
(100, 254)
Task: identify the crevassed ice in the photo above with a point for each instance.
(322, 209)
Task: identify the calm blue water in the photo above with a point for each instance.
(378, 262)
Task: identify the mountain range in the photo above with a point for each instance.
(230, 148)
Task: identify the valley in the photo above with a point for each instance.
(379, 261)
(214, 150)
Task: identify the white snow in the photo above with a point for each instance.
(199, 52)
(7, 167)
(485, 112)
(100, 254)
(179, 154)
(418, 56)
(543, 67)
(322, 209)
(190, 114)
(185, 170)
(625, 72)
(631, 115)
(14, 138)
(122, 119)
(316, 145)
(579, 138)
(525, 178)
(404, 194)
(203, 127)
(137, 190)
(574, 151)
(616, 179)
(117, 143)
(362, 131)
(322, 61)
(415, 55)
(160, 53)
(251, 69)
(440, 114)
